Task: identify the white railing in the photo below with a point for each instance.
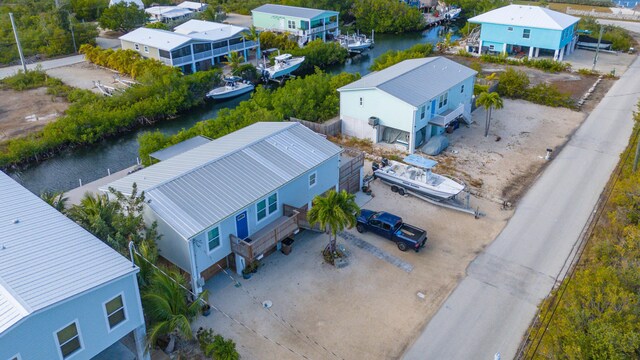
(202, 55)
(182, 60)
(220, 51)
(165, 61)
(448, 116)
(234, 47)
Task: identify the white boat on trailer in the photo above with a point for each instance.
(283, 65)
(356, 43)
(233, 86)
(416, 176)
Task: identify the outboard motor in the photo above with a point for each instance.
(375, 166)
(385, 162)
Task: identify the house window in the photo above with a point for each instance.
(313, 177)
(360, 101)
(442, 101)
(115, 311)
(461, 89)
(273, 203)
(213, 238)
(261, 209)
(69, 340)
(291, 24)
(423, 110)
(146, 49)
(492, 47)
(136, 46)
(526, 33)
(510, 28)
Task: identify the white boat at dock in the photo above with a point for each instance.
(415, 175)
(233, 86)
(356, 43)
(283, 65)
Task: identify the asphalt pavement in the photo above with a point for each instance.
(490, 310)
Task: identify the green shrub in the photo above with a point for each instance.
(271, 40)
(464, 53)
(588, 72)
(549, 95)
(320, 54)
(620, 38)
(513, 83)
(25, 80)
(393, 57)
(386, 16)
(547, 65)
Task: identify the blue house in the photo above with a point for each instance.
(232, 200)
(522, 30)
(408, 102)
(64, 294)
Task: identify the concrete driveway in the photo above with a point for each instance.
(491, 309)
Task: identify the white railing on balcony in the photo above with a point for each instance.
(165, 61)
(202, 55)
(182, 60)
(448, 116)
(220, 51)
(236, 47)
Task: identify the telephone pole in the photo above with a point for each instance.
(15, 32)
(595, 57)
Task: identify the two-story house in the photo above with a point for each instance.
(307, 24)
(193, 46)
(224, 203)
(408, 102)
(64, 294)
(523, 30)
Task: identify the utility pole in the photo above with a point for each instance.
(15, 32)
(595, 57)
(57, 4)
(73, 36)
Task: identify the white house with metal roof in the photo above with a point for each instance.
(64, 294)
(307, 24)
(234, 199)
(168, 13)
(523, 30)
(193, 46)
(193, 6)
(408, 102)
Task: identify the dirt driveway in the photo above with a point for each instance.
(367, 310)
(84, 74)
(23, 112)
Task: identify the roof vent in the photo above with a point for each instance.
(15, 221)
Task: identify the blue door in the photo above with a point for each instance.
(242, 228)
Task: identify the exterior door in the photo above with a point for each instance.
(242, 228)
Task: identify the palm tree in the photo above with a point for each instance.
(55, 199)
(96, 213)
(252, 35)
(234, 60)
(334, 212)
(489, 101)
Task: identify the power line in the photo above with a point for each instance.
(590, 227)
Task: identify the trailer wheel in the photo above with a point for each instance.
(360, 228)
(402, 246)
(401, 191)
(394, 188)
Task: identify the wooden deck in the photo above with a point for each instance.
(266, 238)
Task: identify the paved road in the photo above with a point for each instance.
(46, 65)
(631, 26)
(491, 308)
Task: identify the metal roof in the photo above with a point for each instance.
(208, 30)
(192, 5)
(161, 39)
(529, 16)
(167, 11)
(179, 148)
(203, 186)
(45, 257)
(293, 11)
(415, 81)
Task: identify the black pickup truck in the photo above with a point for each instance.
(392, 227)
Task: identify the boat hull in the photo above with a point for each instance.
(447, 190)
(222, 93)
(293, 66)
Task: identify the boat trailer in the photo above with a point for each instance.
(455, 203)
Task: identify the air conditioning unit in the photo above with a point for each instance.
(374, 121)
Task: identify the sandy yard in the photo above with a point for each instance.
(239, 20)
(27, 111)
(83, 75)
(367, 310)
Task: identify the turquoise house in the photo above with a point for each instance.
(230, 201)
(306, 24)
(407, 103)
(521, 30)
(64, 294)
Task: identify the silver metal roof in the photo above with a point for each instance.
(525, 15)
(203, 186)
(293, 11)
(45, 257)
(415, 81)
(179, 148)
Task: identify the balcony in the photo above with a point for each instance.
(448, 116)
(202, 55)
(182, 60)
(165, 61)
(266, 238)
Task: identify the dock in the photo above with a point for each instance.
(74, 196)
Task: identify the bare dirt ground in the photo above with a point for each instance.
(367, 310)
(27, 111)
(84, 74)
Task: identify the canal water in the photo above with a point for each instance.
(65, 171)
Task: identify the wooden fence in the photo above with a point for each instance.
(350, 173)
(331, 127)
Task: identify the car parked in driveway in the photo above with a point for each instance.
(391, 226)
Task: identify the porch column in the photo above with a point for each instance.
(140, 340)
(240, 264)
(324, 29)
(537, 52)
(504, 49)
(480, 47)
(531, 51)
(555, 55)
(561, 55)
